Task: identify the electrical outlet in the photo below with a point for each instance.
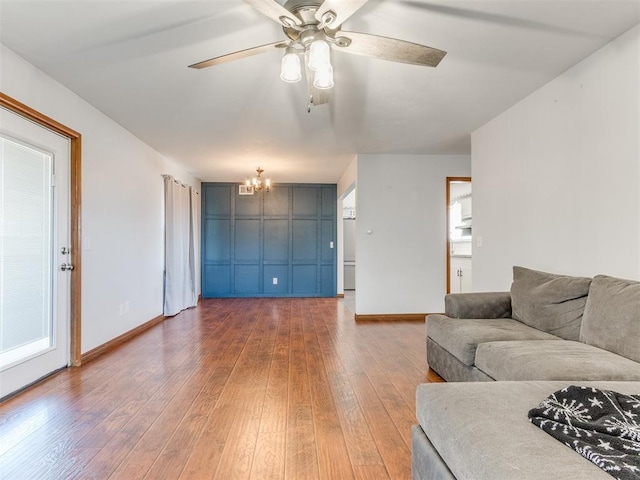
(330, 244)
(275, 280)
(126, 306)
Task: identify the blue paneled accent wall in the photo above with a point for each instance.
(288, 234)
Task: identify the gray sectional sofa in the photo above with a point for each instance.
(548, 332)
(480, 431)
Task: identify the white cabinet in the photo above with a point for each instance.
(466, 207)
(460, 274)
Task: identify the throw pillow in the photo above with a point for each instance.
(612, 316)
(551, 303)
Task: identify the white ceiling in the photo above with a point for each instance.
(129, 59)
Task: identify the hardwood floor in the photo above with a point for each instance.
(238, 388)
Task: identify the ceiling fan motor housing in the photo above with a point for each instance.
(305, 10)
(300, 6)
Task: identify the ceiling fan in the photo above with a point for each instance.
(312, 27)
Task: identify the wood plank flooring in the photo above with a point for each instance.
(233, 389)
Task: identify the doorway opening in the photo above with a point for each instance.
(347, 253)
(349, 232)
(459, 234)
(347, 248)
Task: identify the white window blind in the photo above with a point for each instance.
(25, 251)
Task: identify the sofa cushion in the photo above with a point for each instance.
(460, 336)
(481, 430)
(553, 360)
(612, 316)
(445, 364)
(549, 302)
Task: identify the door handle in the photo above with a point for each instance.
(66, 266)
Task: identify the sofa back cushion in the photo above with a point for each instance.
(551, 303)
(612, 316)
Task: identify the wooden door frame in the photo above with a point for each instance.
(75, 188)
(451, 180)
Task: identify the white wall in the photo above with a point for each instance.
(556, 178)
(122, 205)
(401, 265)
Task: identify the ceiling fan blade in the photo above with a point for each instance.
(275, 11)
(391, 49)
(477, 15)
(229, 57)
(340, 9)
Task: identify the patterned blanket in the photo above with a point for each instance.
(602, 426)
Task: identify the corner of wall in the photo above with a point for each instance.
(348, 177)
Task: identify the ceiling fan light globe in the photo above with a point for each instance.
(319, 55)
(290, 70)
(323, 79)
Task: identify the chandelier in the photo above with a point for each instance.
(257, 183)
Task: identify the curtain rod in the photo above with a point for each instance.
(184, 185)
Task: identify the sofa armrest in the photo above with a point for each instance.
(478, 305)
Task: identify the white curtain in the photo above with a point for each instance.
(180, 217)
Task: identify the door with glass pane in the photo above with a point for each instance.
(34, 252)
